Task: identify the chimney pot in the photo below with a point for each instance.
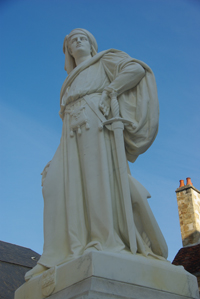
(188, 181)
(181, 183)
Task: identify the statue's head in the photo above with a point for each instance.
(89, 40)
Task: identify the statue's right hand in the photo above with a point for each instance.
(104, 103)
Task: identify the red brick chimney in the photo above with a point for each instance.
(188, 199)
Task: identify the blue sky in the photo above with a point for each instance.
(162, 33)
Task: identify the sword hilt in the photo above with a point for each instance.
(114, 104)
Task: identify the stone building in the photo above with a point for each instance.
(15, 261)
(188, 199)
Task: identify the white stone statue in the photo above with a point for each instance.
(91, 202)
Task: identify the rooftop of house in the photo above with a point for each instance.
(15, 261)
(189, 258)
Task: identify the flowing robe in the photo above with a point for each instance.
(83, 207)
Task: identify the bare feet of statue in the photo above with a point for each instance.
(38, 269)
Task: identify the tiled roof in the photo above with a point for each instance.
(189, 258)
(18, 255)
(15, 261)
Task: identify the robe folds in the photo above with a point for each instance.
(83, 208)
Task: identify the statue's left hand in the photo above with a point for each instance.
(104, 103)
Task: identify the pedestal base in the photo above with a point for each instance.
(97, 275)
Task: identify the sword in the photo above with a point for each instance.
(117, 126)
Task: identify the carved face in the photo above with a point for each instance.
(79, 45)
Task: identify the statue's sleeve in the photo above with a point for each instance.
(122, 71)
(135, 85)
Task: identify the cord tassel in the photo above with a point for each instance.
(100, 127)
(87, 126)
(79, 130)
(71, 133)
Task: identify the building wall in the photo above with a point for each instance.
(188, 199)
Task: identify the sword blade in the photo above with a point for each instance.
(117, 128)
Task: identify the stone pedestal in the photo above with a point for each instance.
(97, 275)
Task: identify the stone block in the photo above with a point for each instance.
(97, 275)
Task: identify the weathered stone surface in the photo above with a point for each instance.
(188, 199)
(97, 275)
